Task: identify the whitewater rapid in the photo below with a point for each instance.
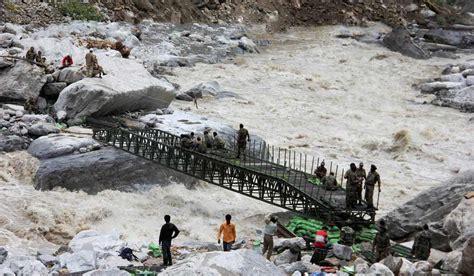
(337, 99)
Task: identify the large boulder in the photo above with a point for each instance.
(399, 40)
(233, 263)
(459, 223)
(21, 82)
(53, 89)
(83, 260)
(430, 206)
(56, 145)
(380, 269)
(69, 75)
(103, 245)
(287, 257)
(41, 129)
(9, 143)
(28, 267)
(462, 39)
(466, 264)
(289, 243)
(128, 86)
(361, 266)
(103, 169)
(393, 263)
(107, 272)
(300, 266)
(407, 268)
(342, 252)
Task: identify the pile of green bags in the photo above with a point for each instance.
(308, 227)
(315, 181)
(155, 249)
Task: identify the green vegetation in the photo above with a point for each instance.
(80, 11)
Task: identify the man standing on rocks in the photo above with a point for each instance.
(31, 54)
(361, 176)
(351, 186)
(268, 233)
(372, 178)
(227, 231)
(242, 137)
(90, 62)
(422, 246)
(381, 245)
(168, 232)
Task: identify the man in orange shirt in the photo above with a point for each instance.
(227, 230)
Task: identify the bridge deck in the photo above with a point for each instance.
(255, 174)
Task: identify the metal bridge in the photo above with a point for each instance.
(262, 174)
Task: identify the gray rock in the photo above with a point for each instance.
(300, 266)
(433, 87)
(107, 272)
(453, 78)
(468, 72)
(233, 263)
(83, 260)
(470, 80)
(28, 267)
(226, 94)
(52, 90)
(466, 264)
(461, 39)
(41, 129)
(361, 266)
(116, 92)
(459, 224)
(407, 268)
(427, 13)
(61, 115)
(111, 169)
(289, 243)
(342, 251)
(3, 254)
(36, 118)
(11, 143)
(5, 271)
(5, 64)
(380, 270)
(21, 82)
(13, 108)
(393, 263)
(70, 75)
(287, 257)
(399, 40)
(56, 145)
(6, 40)
(430, 206)
(19, 129)
(462, 99)
(248, 45)
(423, 267)
(184, 97)
(411, 8)
(452, 260)
(48, 260)
(210, 88)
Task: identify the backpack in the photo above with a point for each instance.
(127, 254)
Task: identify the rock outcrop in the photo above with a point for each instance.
(399, 40)
(459, 224)
(21, 81)
(430, 206)
(233, 263)
(116, 93)
(79, 163)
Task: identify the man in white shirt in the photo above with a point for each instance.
(268, 233)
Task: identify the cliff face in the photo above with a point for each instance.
(280, 13)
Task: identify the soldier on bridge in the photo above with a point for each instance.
(372, 178)
(361, 175)
(351, 186)
(242, 137)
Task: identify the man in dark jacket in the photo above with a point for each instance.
(168, 232)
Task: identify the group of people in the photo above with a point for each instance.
(202, 144)
(93, 68)
(420, 250)
(169, 231)
(357, 179)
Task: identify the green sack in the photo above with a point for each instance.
(155, 249)
(315, 181)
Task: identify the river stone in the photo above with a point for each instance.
(128, 86)
(459, 223)
(184, 97)
(107, 272)
(430, 206)
(423, 267)
(6, 40)
(77, 262)
(380, 270)
(70, 75)
(41, 129)
(3, 254)
(462, 39)
(53, 89)
(22, 81)
(233, 263)
(456, 78)
(399, 40)
(342, 252)
(407, 268)
(103, 169)
(433, 87)
(9, 143)
(286, 257)
(470, 80)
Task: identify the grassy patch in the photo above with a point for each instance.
(80, 11)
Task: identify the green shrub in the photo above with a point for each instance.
(80, 11)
